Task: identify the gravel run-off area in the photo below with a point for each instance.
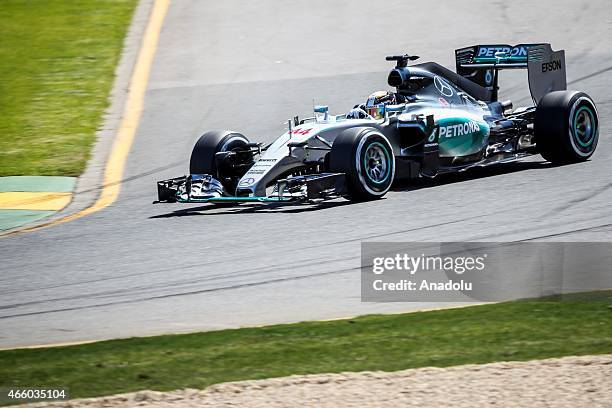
(562, 382)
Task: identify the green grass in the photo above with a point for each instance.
(507, 331)
(57, 61)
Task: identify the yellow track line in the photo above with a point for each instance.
(43, 201)
(115, 164)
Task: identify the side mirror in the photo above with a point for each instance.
(394, 109)
(321, 109)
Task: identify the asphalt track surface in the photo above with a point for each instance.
(137, 269)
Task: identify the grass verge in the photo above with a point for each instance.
(57, 62)
(521, 330)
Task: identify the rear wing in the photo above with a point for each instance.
(481, 64)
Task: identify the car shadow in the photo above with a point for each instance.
(412, 185)
(471, 174)
(286, 208)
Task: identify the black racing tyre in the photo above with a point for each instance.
(566, 127)
(203, 154)
(366, 157)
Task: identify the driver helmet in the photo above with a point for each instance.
(375, 105)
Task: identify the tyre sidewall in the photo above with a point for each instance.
(372, 187)
(210, 143)
(555, 126)
(582, 103)
(348, 155)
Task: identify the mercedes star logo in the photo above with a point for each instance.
(443, 87)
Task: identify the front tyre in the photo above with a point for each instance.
(209, 144)
(366, 157)
(566, 127)
(204, 160)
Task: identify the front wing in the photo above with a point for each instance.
(206, 189)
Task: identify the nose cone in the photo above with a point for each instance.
(246, 187)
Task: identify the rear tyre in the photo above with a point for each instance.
(566, 127)
(366, 157)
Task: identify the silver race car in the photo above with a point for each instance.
(437, 121)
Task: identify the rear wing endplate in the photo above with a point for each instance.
(546, 71)
(546, 68)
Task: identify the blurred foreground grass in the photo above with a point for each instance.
(520, 330)
(57, 62)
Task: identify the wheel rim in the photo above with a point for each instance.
(584, 126)
(376, 163)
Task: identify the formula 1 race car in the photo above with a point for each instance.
(437, 121)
